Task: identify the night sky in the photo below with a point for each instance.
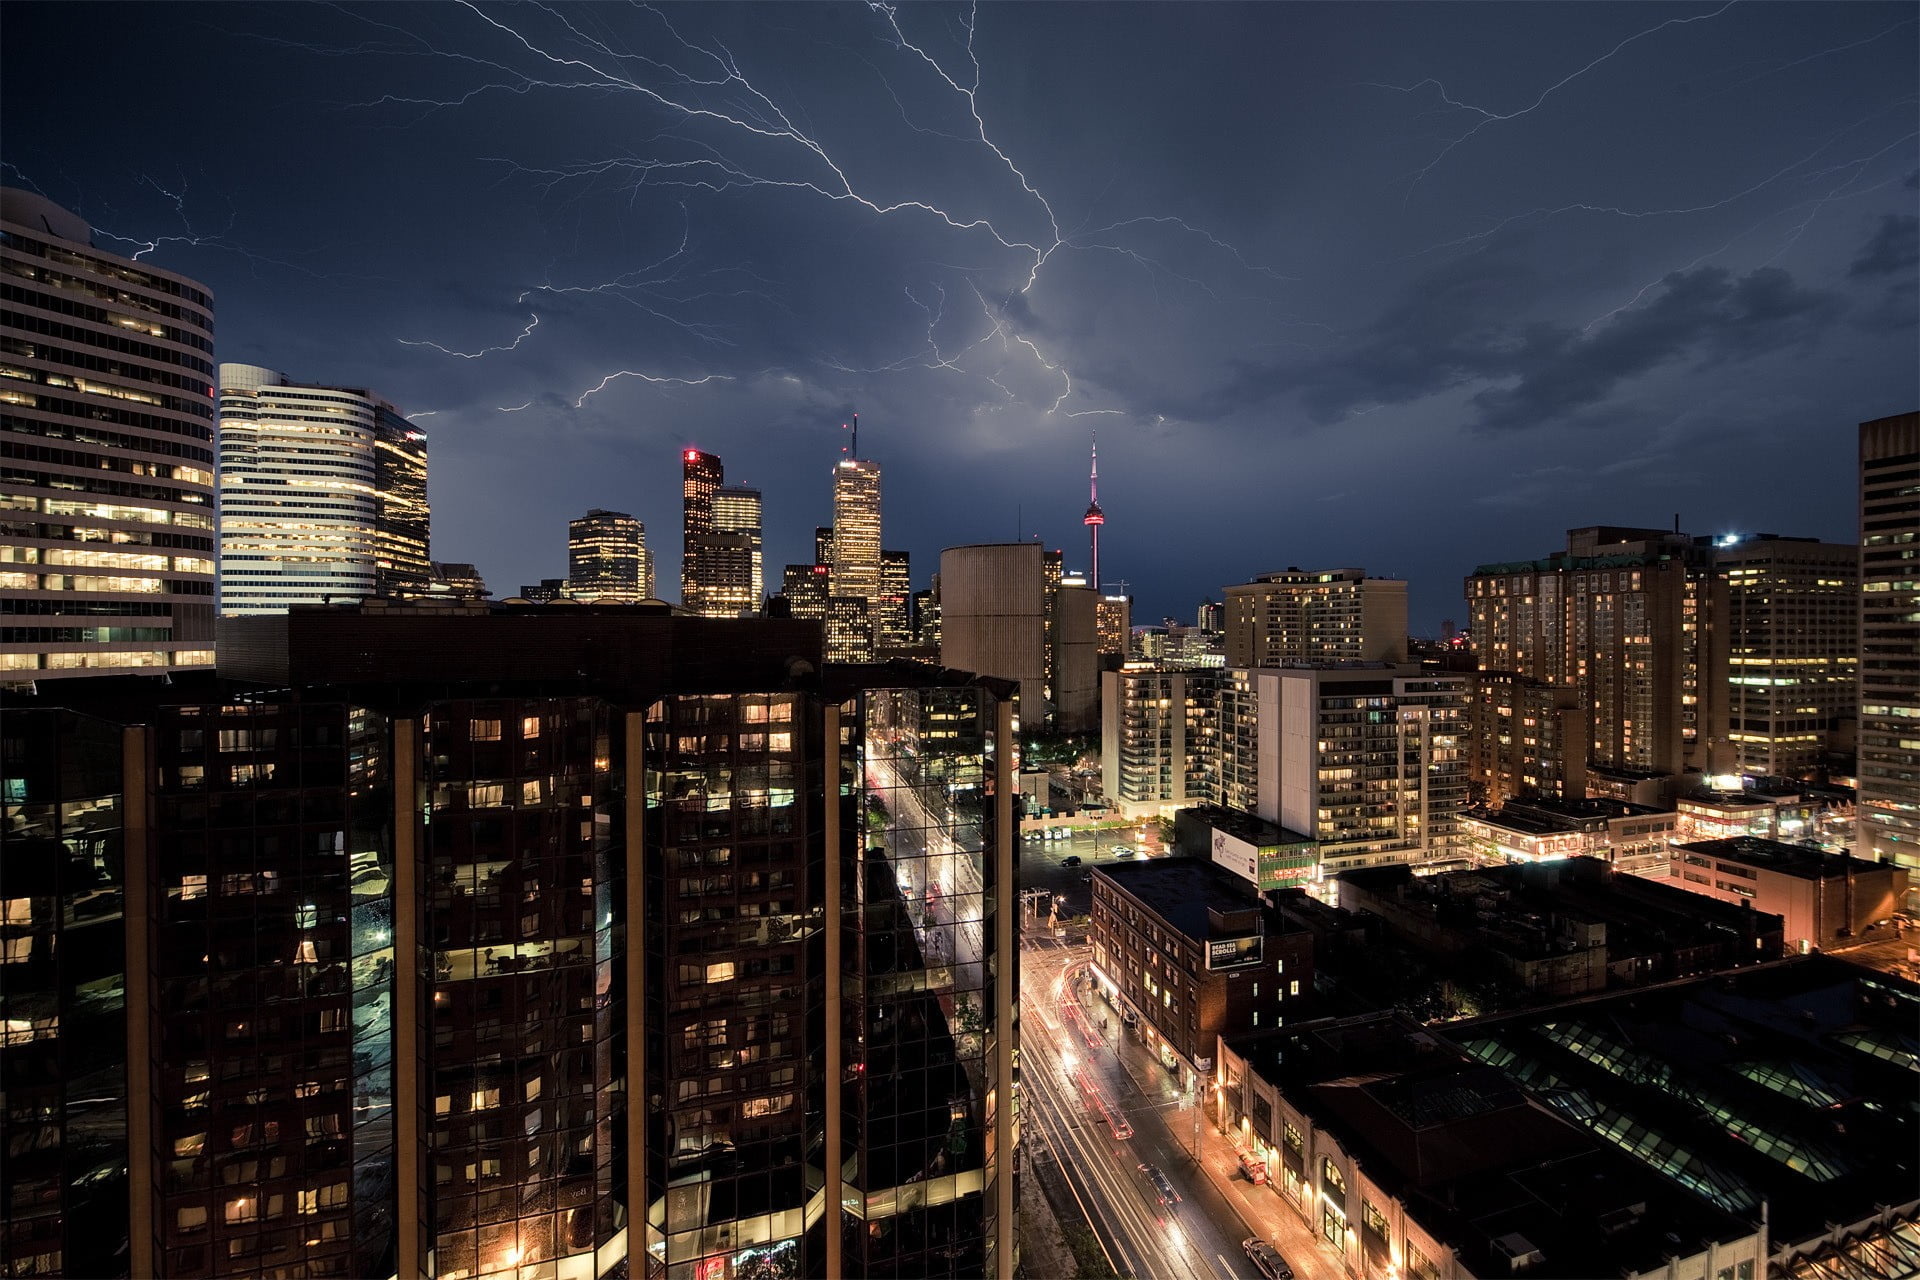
(1404, 287)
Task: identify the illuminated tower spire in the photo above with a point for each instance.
(1095, 517)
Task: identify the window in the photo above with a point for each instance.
(720, 972)
(530, 792)
(529, 726)
(1375, 1220)
(486, 795)
(755, 1107)
(245, 1209)
(191, 1218)
(485, 1098)
(483, 730)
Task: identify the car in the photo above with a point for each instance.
(1071, 860)
(1121, 851)
(1129, 1017)
(1268, 1259)
(1254, 1167)
(1162, 1185)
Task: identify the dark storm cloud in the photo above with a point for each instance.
(1248, 279)
(1895, 246)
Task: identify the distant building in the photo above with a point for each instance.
(1792, 619)
(107, 546)
(1826, 899)
(607, 558)
(1194, 953)
(1368, 761)
(1001, 613)
(893, 606)
(458, 581)
(1778, 811)
(1889, 745)
(736, 510)
(1332, 615)
(1633, 838)
(1157, 748)
(546, 591)
(805, 587)
(1113, 624)
(855, 581)
(1624, 618)
(323, 495)
(1211, 616)
(1564, 928)
(700, 474)
(926, 617)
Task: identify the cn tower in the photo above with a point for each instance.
(1095, 517)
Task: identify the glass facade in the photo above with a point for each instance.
(522, 1090)
(63, 1178)
(272, 969)
(921, 1082)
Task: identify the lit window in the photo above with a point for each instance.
(483, 730)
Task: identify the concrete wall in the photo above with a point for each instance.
(993, 617)
(1076, 660)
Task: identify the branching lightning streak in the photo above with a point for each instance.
(525, 333)
(648, 377)
(1488, 117)
(1769, 180)
(1812, 57)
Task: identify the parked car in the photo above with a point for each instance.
(1162, 1185)
(1121, 851)
(1268, 1259)
(1071, 860)
(1254, 1167)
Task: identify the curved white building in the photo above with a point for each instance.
(301, 491)
(106, 432)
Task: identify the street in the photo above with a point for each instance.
(1088, 1080)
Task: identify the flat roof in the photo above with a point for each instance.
(1788, 859)
(1181, 892)
(1246, 826)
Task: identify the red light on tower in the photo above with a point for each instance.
(692, 454)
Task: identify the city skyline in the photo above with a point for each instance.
(1630, 273)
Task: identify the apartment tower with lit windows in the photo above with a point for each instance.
(490, 942)
(1889, 736)
(1792, 610)
(106, 431)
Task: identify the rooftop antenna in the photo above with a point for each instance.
(856, 437)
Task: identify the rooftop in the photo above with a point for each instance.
(1187, 894)
(1788, 859)
(1245, 826)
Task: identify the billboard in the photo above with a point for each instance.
(1242, 857)
(1233, 953)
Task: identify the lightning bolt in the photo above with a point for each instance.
(1488, 116)
(525, 333)
(648, 377)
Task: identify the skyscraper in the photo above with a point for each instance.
(1889, 764)
(1792, 615)
(701, 474)
(736, 510)
(854, 579)
(893, 607)
(107, 544)
(596, 969)
(607, 558)
(303, 515)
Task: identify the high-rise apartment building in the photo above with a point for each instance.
(855, 564)
(107, 538)
(1626, 618)
(1528, 739)
(1370, 762)
(1889, 735)
(607, 558)
(505, 942)
(1113, 623)
(1159, 746)
(701, 474)
(304, 513)
(1333, 615)
(459, 580)
(1792, 618)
